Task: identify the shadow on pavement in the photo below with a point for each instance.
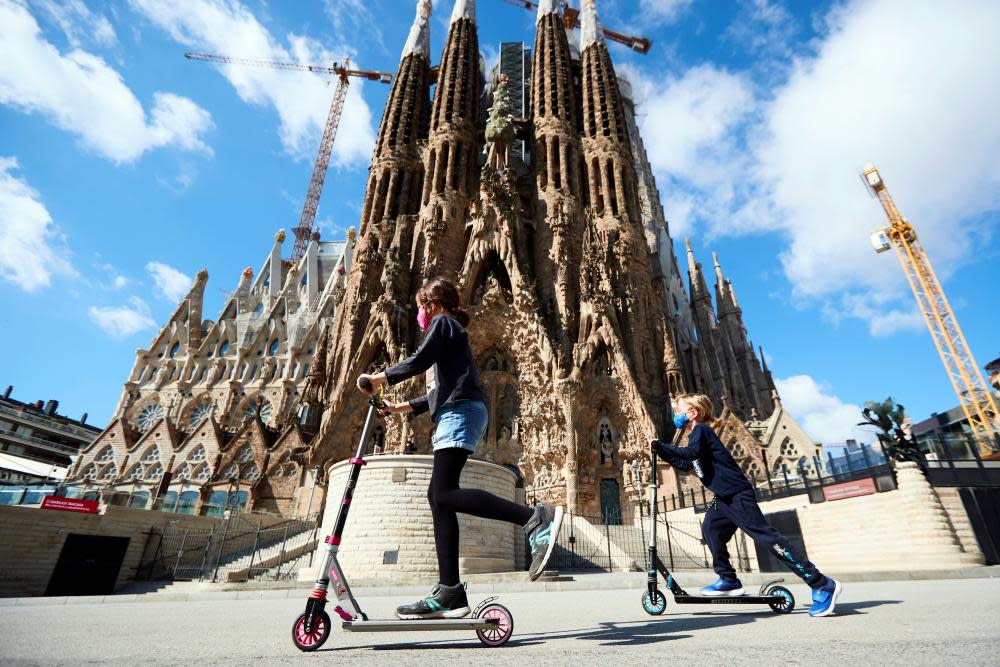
(634, 633)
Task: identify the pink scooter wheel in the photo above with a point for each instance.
(496, 635)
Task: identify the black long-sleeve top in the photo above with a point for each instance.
(710, 460)
(446, 359)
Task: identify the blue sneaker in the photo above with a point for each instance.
(542, 531)
(723, 587)
(825, 598)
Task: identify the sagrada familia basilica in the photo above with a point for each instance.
(581, 321)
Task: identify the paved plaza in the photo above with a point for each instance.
(912, 623)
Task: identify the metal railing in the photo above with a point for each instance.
(954, 460)
(235, 549)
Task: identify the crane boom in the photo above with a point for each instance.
(571, 16)
(303, 231)
(973, 393)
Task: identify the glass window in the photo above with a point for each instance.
(188, 502)
(11, 496)
(238, 501)
(272, 349)
(173, 350)
(198, 454)
(107, 455)
(138, 500)
(259, 309)
(35, 495)
(202, 473)
(245, 454)
(223, 348)
(149, 415)
(200, 413)
(152, 455)
(169, 502)
(217, 503)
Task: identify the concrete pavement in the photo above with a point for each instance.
(895, 622)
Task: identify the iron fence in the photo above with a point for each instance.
(609, 542)
(235, 549)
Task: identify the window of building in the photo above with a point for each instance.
(149, 415)
(173, 350)
(272, 349)
(223, 348)
(199, 413)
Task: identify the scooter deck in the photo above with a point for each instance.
(728, 599)
(395, 625)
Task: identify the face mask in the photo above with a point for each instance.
(423, 319)
(681, 420)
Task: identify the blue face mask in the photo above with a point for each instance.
(681, 420)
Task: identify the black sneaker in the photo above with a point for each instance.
(542, 531)
(443, 602)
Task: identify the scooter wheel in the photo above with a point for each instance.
(654, 604)
(496, 635)
(312, 640)
(787, 602)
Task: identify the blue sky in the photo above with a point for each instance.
(125, 168)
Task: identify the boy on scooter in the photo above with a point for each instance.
(734, 506)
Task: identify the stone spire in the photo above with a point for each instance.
(591, 31)
(546, 7)
(464, 9)
(419, 41)
(699, 288)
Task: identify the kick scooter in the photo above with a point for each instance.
(779, 598)
(492, 622)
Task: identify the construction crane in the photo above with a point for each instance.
(304, 231)
(571, 17)
(974, 394)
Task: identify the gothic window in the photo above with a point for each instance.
(202, 473)
(135, 473)
(246, 454)
(778, 466)
(753, 470)
(272, 349)
(737, 450)
(199, 413)
(788, 449)
(197, 455)
(149, 415)
(174, 350)
(250, 473)
(154, 472)
(265, 410)
(108, 472)
(90, 472)
(184, 472)
(152, 455)
(107, 455)
(223, 348)
(233, 471)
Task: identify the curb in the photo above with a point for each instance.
(578, 582)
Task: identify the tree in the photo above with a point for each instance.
(896, 435)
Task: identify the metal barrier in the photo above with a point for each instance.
(236, 549)
(609, 543)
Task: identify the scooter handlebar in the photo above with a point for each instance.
(365, 383)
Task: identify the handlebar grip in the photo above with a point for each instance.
(365, 383)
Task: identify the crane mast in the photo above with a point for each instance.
(973, 393)
(304, 230)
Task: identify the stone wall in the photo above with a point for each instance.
(31, 540)
(390, 516)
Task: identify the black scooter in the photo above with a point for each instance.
(779, 598)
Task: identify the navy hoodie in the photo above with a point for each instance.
(710, 460)
(446, 358)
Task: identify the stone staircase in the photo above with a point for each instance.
(266, 560)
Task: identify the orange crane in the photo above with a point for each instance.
(303, 232)
(572, 18)
(973, 393)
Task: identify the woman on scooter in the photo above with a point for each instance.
(456, 404)
(734, 506)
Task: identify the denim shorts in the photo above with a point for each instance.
(461, 424)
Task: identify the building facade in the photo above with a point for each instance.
(541, 204)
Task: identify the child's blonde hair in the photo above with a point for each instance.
(701, 403)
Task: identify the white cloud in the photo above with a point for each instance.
(123, 321)
(80, 93)
(823, 416)
(663, 11)
(32, 249)
(120, 282)
(301, 99)
(915, 91)
(78, 23)
(173, 284)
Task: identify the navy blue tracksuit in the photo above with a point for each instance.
(734, 506)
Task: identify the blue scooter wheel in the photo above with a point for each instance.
(654, 605)
(787, 602)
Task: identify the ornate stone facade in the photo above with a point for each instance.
(580, 323)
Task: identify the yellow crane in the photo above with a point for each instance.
(304, 230)
(973, 393)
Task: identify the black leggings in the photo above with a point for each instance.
(447, 499)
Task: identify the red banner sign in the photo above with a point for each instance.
(861, 487)
(69, 504)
